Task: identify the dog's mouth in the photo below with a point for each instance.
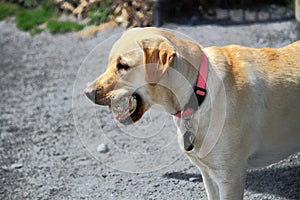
(128, 109)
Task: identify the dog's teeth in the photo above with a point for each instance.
(132, 104)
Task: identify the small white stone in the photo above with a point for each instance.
(194, 179)
(16, 166)
(102, 148)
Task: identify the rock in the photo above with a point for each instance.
(194, 179)
(12, 167)
(67, 6)
(102, 148)
(16, 166)
(156, 185)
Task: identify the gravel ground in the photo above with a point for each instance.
(48, 147)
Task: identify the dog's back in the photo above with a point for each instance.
(275, 66)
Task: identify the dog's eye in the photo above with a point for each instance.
(121, 66)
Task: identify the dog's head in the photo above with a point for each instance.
(137, 75)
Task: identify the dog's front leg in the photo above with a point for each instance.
(211, 187)
(231, 184)
(224, 184)
(233, 189)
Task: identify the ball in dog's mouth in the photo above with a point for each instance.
(127, 109)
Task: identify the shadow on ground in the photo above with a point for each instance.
(283, 182)
(183, 176)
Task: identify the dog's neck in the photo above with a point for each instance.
(205, 122)
(199, 94)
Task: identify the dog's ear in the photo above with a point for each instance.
(158, 56)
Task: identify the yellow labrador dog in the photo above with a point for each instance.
(257, 89)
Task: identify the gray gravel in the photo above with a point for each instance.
(45, 156)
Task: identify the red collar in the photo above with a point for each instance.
(200, 88)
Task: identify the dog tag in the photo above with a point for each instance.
(188, 140)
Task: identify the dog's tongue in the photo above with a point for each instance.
(119, 118)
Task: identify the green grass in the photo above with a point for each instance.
(30, 19)
(100, 13)
(7, 9)
(35, 30)
(55, 26)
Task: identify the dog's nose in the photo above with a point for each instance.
(90, 92)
